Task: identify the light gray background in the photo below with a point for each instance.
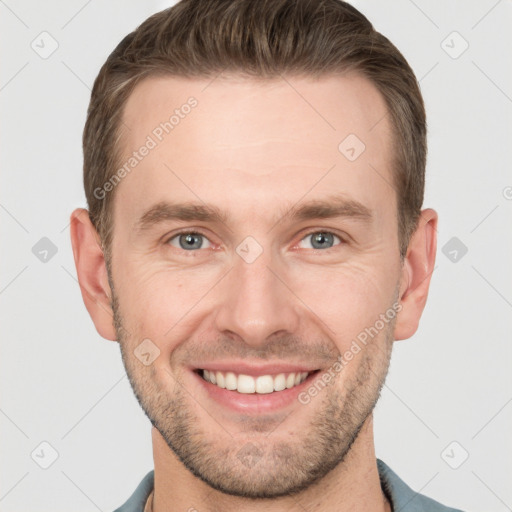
(63, 384)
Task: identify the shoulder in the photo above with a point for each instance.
(402, 497)
(137, 500)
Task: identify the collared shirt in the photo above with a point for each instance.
(401, 497)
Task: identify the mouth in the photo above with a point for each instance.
(249, 384)
(255, 394)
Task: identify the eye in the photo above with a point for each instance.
(188, 241)
(319, 240)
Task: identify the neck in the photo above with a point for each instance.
(351, 486)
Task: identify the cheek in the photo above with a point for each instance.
(347, 299)
(157, 303)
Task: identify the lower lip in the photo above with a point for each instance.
(255, 403)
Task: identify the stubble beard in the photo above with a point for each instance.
(254, 462)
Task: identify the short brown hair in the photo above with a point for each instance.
(260, 39)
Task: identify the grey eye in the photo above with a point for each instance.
(188, 241)
(320, 240)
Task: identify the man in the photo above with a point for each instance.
(255, 243)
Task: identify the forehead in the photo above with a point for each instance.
(255, 140)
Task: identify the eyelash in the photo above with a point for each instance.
(199, 232)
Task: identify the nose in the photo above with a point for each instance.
(257, 303)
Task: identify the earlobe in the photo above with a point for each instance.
(416, 274)
(92, 273)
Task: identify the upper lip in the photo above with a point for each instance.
(245, 368)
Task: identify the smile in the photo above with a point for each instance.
(247, 384)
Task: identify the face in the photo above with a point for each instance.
(247, 243)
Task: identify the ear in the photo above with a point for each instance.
(92, 273)
(416, 273)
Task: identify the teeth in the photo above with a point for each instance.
(264, 384)
(220, 380)
(279, 382)
(230, 380)
(247, 384)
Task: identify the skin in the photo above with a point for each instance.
(254, 149)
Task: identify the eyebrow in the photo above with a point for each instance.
(330, 207)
